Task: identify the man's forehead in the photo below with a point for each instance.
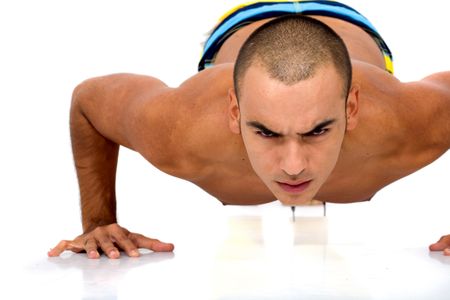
(299, 116)
(325, 80)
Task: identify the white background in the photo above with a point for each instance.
(48, 47)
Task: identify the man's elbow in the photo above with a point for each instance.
(82, 91)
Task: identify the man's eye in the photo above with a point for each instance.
(318, 132)
(266, 134)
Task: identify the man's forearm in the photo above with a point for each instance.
(96, 161)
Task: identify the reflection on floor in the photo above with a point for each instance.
(259, 254)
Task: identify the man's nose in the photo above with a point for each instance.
(293, 158)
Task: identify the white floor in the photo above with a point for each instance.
(254, 253)
(374, 250)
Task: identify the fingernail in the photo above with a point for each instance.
(134, 253)
(447, 251)
(113, 253)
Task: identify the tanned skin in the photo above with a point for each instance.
(191, 132)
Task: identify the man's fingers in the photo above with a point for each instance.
(90, 246)
(58, 249)
(442, 245)
(126, 244)
(62, 246)
(103, 240)
(110, 238)
(108, 247)
(151, 244)
(439, 246)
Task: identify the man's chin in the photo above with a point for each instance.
(294, 200)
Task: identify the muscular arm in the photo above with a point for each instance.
(424, 110)
(143, 114)
(138, 112)
(95, 159)
(107, 112)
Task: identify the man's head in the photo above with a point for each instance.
(292, 104)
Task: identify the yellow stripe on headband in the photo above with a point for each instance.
(389, 64)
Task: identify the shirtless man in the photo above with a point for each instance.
(287, 121)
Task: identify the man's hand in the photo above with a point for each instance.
(442, 245)
(110, 239)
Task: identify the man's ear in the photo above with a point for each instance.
(234, 114)
(352, 107)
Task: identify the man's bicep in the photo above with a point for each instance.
(107, 103)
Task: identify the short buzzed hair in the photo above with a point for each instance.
(291, 48)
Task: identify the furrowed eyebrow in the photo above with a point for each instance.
(320, 126)
(260, 126)
(257, 125)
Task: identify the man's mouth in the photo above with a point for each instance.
(294, 187)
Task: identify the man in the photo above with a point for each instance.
(287, 121)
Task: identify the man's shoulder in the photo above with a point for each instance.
(202, 134)
(421, 106)
(181, 130)
(211, 79)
